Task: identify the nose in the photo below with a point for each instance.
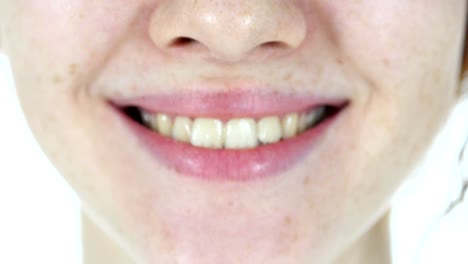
(228, 30)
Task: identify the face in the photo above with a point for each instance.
(393, 66)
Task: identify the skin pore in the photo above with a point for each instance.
(398, 62)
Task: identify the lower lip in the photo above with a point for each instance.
(229, 165)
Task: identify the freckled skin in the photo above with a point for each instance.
(400, 69)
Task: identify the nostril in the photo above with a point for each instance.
(182, 41)
(275, 45)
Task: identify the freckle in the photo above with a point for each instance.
(339, 61)
(287, 220)
(72, 69)
(437, 78)
(288, 77)
(319, 71)
(385, 62)
(306, 181)
(295, 237)
(167, 239)
(57, 79)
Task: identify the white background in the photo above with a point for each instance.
(39, 213)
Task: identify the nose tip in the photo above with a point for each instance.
(228, 30)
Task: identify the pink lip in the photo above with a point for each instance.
(228, 165)
(227, 105)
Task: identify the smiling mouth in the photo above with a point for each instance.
(235, 133)
(237, 136)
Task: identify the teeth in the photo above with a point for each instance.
(164, 124)
(150, 121)
(241, 133)
(309, 119)
(207, 133)
(269, 130)
(182, 129)
(289, 125)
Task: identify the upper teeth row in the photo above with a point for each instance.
(238, 133)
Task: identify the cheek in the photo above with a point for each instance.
(410, 40)
(408, 70)
(63, 44)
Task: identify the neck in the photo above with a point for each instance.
(372, 247)
(98, 247)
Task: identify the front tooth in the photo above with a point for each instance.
(269, 129)
(164, 124)
(241, 133)
(207, 132)
(309, 119)
(289, 125)
(182, 129)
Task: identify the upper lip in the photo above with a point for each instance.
(228, 104)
